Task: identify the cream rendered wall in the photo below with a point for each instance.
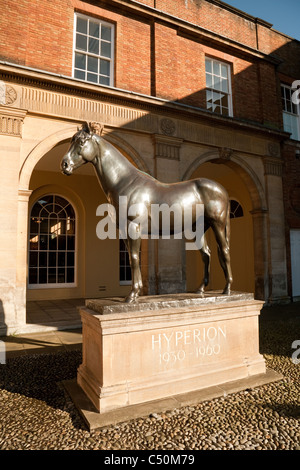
(11, 292)
(97, 260)
(241, 245)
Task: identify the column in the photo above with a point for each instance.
(169, 254)
(10, 141)
(276, 231)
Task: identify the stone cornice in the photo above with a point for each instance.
(39, 85)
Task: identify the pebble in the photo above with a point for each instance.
(37, 413)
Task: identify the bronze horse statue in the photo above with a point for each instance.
(118, 177)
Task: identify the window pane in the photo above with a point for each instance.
(92, 77)
(44, 213)
(70, 275)
(208, 65)
(94, 46)
(70, 259)
(52, 259)
(61, 242)
(216, 68)
(43, 223)
(33, 258)
(34, 226)
(209, 80)
(106, 33)
(94, 29)
(70, 211)
(45, 200)
(61, 258)
(80, 61)
(224, 101)
(60, 200)
(52, 276)
(79, 74)
(34, 242)
(43, 239)
(53, 243)
(71, 243)
(33, 276)
(122, 273)
(105, 49)
(81, 42)
(128, 274)
(81, 25)
(92, 64)
(291, 124)
(224, 86)
(225, 112)
(224, 71)
(104, 67)
(217, 84)
(104, 80)
(42, 276)
(43, 259)
(35, 211)
(61, 278)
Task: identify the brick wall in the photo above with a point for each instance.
(152, 57)
(37, 34)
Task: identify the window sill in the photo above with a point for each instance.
(52, 286)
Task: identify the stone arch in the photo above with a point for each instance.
(39, 151)
(259, 210)
(241, 167)
(63, 135)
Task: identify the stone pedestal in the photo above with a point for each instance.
(166, 345)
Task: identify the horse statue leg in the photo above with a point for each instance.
(133, 247)
(222, 239)
(205, 253)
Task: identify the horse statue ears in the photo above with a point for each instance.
(92, 127)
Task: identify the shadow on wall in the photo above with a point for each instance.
(3, 329)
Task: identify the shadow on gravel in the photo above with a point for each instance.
(39, 377)
(285, 410)
(279, 327)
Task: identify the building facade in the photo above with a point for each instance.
(192, 88)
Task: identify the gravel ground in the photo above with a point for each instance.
(37, 413)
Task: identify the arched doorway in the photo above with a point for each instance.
(248, 272)
(91, 269)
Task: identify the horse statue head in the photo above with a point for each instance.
(83, 148)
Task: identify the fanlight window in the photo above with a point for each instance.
(236, 209)
(52, 242)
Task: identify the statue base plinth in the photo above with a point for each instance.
(166, 346)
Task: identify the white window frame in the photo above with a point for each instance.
(55, 285)
(215, 90)
(89, 54)
(289, 115)
(125, 265)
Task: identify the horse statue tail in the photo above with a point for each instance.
(227, 226)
